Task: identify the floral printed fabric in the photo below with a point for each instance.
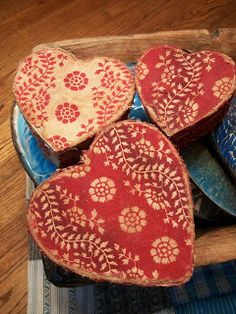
(179, 89)
(66, 100)
(67, 113)
(131, 223)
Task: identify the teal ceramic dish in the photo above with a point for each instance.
(224, 139)
(37, 166)
(207, 173)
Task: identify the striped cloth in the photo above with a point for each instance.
(223, 304)
(45, 298)
(212, 290)
(206, 282)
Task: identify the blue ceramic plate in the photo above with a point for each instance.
(210, 173)
(224, 139)
(37, 166)
(207, 173)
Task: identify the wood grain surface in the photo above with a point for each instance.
(27, 23)
(130, 47)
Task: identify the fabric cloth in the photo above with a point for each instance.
(211, 290)
(223, 304)
(131, 223)
(208, 281)
(98, 91)
(179, 89)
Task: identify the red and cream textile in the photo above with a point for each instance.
(67, 100)
(185, 93)
(124, 214)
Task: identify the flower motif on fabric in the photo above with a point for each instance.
(108, 79)
(58, 142)
(79, 232)
(222, 87)
(76, 80)
(190, 112)
(102, 190)
(77, 216)
(164, 250)
(41, 99)
(144, 147)
(67, 113)
(132, 219)
(142, 70)
(156, 199)
(168, 75)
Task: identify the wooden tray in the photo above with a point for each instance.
(212, 245)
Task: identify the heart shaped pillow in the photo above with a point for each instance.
(125, 215)
(185, 93)
(66, 101)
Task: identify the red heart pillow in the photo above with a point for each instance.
(67, 101)
(125, 215)
(185, 93)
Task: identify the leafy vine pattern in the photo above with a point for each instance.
(97, 92)
(118, 79)
(66, 228)
(135, 158)
(176, 97)
(128, 259)
(87, 128)
(32, 92)
(92, 222)
(178, 107)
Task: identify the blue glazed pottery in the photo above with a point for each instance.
(137, 111)
(37, 166)
(208, 174)
(224, 139)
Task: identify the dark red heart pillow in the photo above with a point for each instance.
(67, 101)
(125, 215)
(185, 93)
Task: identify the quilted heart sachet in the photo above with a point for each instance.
(66, 101)
(185, 94)
(124, 214)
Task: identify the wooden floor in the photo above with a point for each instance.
(26, 23)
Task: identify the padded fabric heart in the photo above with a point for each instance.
(124, 215)
(66, 100)
(184, 93)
